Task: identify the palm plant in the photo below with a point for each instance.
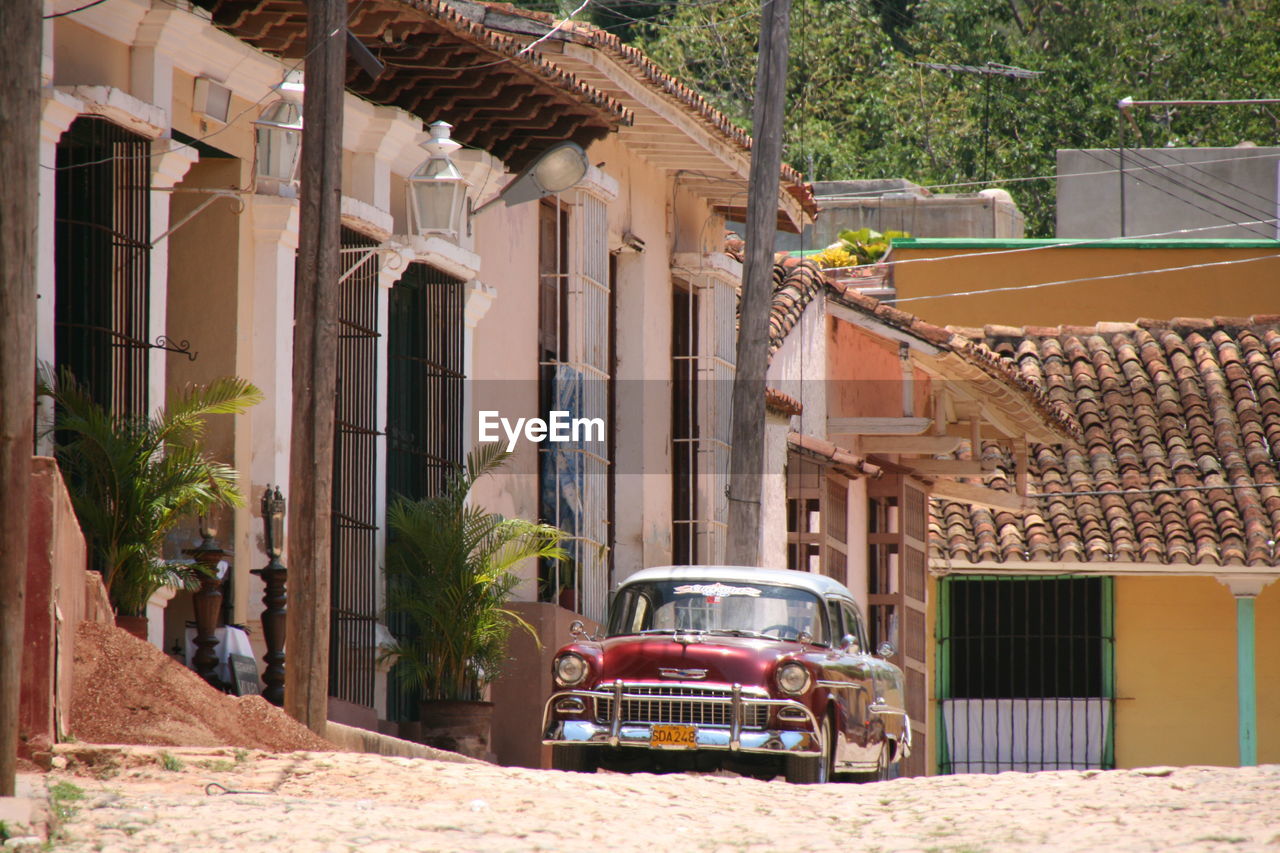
(132, 478)
(450, 570)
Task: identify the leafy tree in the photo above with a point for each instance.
(861, 106)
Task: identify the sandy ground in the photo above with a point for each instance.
(346, 802)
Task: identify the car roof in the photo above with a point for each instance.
(820, 585)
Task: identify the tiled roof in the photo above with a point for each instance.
(1180, 457)
(783, 404)
(440, 65)
(796, 282)
(694, 104)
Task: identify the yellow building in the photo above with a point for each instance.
(1130, 618)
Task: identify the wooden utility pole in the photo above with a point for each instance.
(746, 459)
(315, 367)
(20, 21)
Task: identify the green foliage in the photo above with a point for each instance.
(450, 570)
(61, 796)
(131, 479)
(859, 107)
(170, 762)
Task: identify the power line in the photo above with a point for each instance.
(1049, 177)
(1185, 200)
(73, 11)
(1038, 285)
(1196, 186)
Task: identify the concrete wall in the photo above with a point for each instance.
(1204, 190)
(899, 205)
(1233, 290)
(61, 594)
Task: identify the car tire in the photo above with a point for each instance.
(812, 769)
(576, 759)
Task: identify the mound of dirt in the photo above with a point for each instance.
(128, 691)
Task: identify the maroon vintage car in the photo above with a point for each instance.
(753, 670)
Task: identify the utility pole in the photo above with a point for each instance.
(20, 21)
(315, 367)
(746, 459)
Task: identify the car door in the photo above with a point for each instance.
(887, 712)
(850, 679)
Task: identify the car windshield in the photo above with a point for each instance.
(731, 608)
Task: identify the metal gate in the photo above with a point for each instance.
(103, 262)
(353, 614)
(1025, 674)
(424, 409)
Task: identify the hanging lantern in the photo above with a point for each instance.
(279, 138)
(437, 190)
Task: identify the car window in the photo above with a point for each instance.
(855, 626)
(748, 608)
(836, 626)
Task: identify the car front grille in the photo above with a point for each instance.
(668, 703)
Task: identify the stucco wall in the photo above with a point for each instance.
(1267, 674)
(1234, 290)
(1175, 672)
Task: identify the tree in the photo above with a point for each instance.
(860, 105)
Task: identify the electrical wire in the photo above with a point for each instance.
(1186, 185)
(73, 11)
(1043, 284)
(230, 121)
(1185, 200)
(1190, 183)
(1156, 490)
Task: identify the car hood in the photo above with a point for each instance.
(704, 658)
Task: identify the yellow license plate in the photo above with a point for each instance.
(673, 737)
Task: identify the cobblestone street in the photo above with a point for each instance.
(141, 798)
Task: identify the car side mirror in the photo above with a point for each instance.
(886, 650)
(578, 631)
(849, 643)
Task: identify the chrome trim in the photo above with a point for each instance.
(617, 733)
(571, 705)
(672, 672)
(842, 685)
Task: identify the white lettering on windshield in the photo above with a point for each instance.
(716, 590)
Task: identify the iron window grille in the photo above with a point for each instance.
(1026, 673)
(103, 262)
(354, 524)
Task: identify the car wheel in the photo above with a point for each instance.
(812, 769)
(577, 759)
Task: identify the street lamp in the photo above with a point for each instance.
(273, 507)
(278, 133)
(437, 190)
(559, 168)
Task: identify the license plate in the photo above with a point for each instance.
(673, 737)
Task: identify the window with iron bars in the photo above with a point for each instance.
(103, 262)
(574, 331)
(703, 341)
(425, 355)
(354, 523)
(1026, 674)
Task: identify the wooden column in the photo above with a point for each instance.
(19, 189)
(315, 366)
(746, 456)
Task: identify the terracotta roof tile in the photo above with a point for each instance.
(1187, 404)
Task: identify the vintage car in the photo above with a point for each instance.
(707, 667)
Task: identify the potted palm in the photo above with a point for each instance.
(133, 478)
(451, 567)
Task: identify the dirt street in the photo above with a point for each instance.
(143, 798)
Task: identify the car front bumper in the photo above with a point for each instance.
(633, 733)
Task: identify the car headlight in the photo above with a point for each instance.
(793, 678)
(570, 670)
